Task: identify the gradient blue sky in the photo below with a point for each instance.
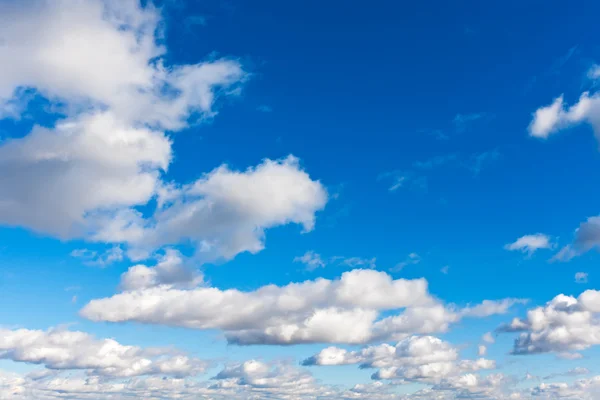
(418, 120)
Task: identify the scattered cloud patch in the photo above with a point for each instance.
(345, 310)
(564, 325)
(587, 237)
(581, 277)
(411, 259)
(463, 121)
(555, 117)
(71, 350)
(311, 260)
(424, 359)
(264, 108)
(529, 244)
(479, 161)
(104, 259)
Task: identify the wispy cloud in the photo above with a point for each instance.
(553, 69)
(463, 121)
(264, 108)
(411, 259)
(354, 262)
(416, 177)
(93, 258)
(478, 161)
(193, 21)
(311, 260)
(404, 179)
(581, 277)
(436, 161)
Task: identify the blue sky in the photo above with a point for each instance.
(277, 194)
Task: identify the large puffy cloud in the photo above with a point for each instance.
(226, 212)
(104, 54)
(564, 325)
(56, 178)
(417, 358)
(100, 64)
(71, 350)
(345, 310)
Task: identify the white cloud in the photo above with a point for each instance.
(582, 389)
(489, 338)
(227, 212)
(530, 243)
(472, 386)
(249, 380)
(311, 260)
(587, 237)
(104, 54)
(356, 262)
(417, 358)
(491, 307)
(170, 270)
(343, 310)
(90, 257)
(411, 259)
(70, 350)
(573, 372)
(594, 72)
(564, 325)
(462, 121)
(481, 350)
(581, 277)
(60, 177)
(555, 117)
(346, 310)
(101, 62)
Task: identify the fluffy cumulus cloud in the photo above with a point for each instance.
(170, 270)
(425, 359)
(530, 243)
(249, 380)
(71, 350)
(552, 118)
(556, 116)
(104, 54)
(59, 176)
(345, 310)
(565, 325)
(227, 212)
(114, 103)
(581, 389)
(253, 380)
